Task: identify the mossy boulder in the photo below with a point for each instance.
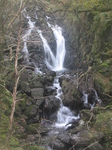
(31, 111)
(37, 93)
(33, 128)
(25, 87)
(85, 138)
(104, 87)
(104, 124)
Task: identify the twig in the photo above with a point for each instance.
(90, 145)
(6, 89)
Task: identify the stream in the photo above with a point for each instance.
(55, 62)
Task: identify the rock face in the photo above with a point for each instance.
(72, 97)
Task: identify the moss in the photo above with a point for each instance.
(36, 148)
(103, 83)
(14, 142)
(33, 128)
(104, 124)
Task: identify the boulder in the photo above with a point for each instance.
(51, 106)
(39, 101)
(37, 93)
(25, 87)
(36, 83)
(57, 144)
(72, 97)
(31, 111)
(85, 138)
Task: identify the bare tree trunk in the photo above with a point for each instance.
(16, 81)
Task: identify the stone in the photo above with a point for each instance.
(85, 138)
(36, 83)
(39, 101)
(95, 146)
(24, 76)
(51, 105)
(25, 87)
(31, 111)
(72, 97)
(57, 144)
(37, 93)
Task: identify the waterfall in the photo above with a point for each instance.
(65, 117)
(96, 99)
(49, 56)
(53, 62)
(25, 37)
(60, 50)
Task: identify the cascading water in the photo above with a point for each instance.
(26, 37)
(96, 99)
(60, 50)
(53, 62)
(65, 117)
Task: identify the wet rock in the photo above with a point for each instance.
(57, 144)
(39, 101)
(72, 97)
(78, 128)
(51, 73)
(85, 138)
(37, 93)
(65, 138)
(49, 91)
(51, 105)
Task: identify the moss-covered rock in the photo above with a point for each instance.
(31, 111)
(104, 124)
(33, 128)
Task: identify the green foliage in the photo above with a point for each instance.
(104, 124)
(36, 148)
(14, 142)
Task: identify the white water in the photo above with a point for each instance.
(25, 37)
(96, 99)
(60, 49)
(53, 62)
(65, 117)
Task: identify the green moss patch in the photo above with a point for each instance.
(104, 124)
